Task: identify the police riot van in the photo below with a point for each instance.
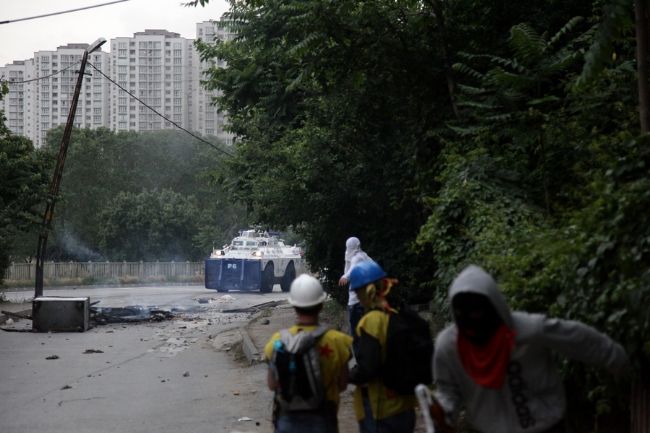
(254, 260)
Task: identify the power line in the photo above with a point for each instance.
(160, 114)
(62, 12)
(44, 77)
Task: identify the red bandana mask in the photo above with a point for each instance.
(487, 364)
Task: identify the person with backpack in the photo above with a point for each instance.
(394, 355)
(498, 363)
(308, 365)
(353, 256)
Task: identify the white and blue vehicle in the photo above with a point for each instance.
(254, 260)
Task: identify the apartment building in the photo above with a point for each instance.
(158, 67)
(207, 118)
(16, 104)
(155, 66)
(41, 91)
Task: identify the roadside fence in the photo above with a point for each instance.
(105, 270)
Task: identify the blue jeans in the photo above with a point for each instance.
(301, 422)
(355, 313)
(403, 422)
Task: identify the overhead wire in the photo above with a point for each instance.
(160, 114)
(43, 77)
(62, 12)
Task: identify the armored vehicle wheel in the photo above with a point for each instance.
(268, 278)
(288, 277)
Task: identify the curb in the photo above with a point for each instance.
(250, 351)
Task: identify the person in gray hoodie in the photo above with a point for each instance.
(498, 364)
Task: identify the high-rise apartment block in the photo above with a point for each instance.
(155, 67)
(210, 120)
(17, 103)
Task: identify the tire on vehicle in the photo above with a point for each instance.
(288, 277)
(268, 278)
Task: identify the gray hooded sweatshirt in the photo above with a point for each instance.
(532, 398)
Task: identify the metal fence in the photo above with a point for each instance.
(105, 270)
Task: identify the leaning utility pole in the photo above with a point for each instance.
(58, 172)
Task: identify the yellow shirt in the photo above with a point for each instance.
(383, 401)
(335, 350)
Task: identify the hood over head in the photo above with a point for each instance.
(352, 245)
(473, 279)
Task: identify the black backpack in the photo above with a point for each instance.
(296, 366)
(409, 348)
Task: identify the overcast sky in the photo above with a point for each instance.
(19, 41)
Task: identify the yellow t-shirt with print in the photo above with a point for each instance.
(383, 401)
(335, 350)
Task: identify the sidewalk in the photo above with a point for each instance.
(260, 330)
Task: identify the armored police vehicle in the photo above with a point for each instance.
(254, 260)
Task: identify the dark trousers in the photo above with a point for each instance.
(557, 428)
(403, 422)
(355, 313)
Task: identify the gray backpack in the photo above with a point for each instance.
(296, 366)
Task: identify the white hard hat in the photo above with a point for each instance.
(306, 291)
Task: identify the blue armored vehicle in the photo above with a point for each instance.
(254, 260)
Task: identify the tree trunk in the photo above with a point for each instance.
(640, 408)
(641, 17)
(451, 85)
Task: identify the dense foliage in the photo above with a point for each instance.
(129, 196)
(23, 187)
(446, 133)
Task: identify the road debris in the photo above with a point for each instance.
(129, 314)
(255, 308)
(52, 357)
(93, 351)
(66, 387)
(245, 418)
(25, 314)
(186, 374)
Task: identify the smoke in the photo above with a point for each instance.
(75, 249)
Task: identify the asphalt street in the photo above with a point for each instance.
(172, 376)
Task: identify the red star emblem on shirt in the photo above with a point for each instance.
(325, 351)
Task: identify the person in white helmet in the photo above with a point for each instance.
(300, 406)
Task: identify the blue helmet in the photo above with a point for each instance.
(365, 273)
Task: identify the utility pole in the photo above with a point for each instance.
(58, 172)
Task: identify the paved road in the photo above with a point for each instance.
(171, 376)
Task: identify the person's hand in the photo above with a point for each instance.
(438, 417)
(343, 281)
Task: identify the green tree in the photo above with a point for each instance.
(23, 186)
(102, 164)
(149, 225)
(345, 123)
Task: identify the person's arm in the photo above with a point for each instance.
(346, 273)
(368, 360)
(270, 379)
(447, 394)
(581, 342)
(268, 356)
(355, 260)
